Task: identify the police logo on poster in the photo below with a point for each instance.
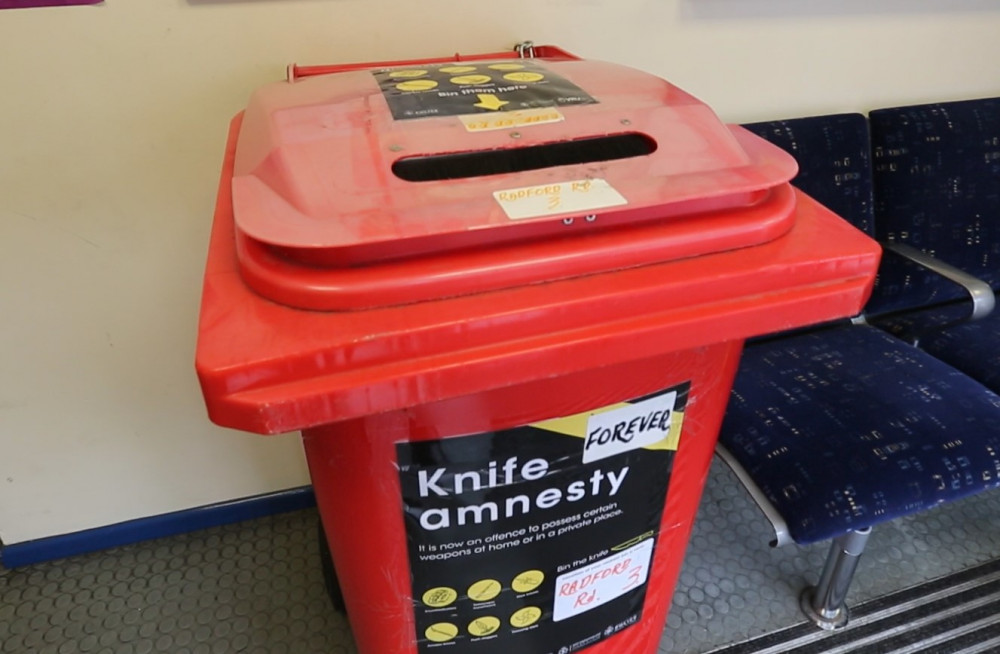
(538, 539)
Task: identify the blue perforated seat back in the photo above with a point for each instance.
(833, 152)
(937, 187)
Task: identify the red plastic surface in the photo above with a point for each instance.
(478, 270)
(357, 484)
(269, 368)
(297, 72)
(325, 224)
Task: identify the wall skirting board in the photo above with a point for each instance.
(168, 524)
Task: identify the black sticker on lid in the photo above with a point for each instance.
(538, 539)
(456, 89)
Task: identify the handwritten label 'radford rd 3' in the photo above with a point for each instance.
(598, 583)
(577, 196)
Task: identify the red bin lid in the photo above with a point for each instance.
(395, 184)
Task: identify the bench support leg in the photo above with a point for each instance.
(824, 603)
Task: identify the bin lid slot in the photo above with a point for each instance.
(462, 165)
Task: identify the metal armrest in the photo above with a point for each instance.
(781, 535)
(982, 296)
(977, 290)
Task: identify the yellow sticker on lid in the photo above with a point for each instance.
(509, 119)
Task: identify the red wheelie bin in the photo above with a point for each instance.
(503, 299)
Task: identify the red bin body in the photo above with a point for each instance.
(504, 301)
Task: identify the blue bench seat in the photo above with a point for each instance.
(839, 428)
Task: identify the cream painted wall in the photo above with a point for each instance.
(112, 123)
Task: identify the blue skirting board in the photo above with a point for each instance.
(168, 524)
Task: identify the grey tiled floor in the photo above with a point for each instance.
(256, 587)
(734, 587)
(252, 587)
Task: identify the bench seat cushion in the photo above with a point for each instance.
(848, 427)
